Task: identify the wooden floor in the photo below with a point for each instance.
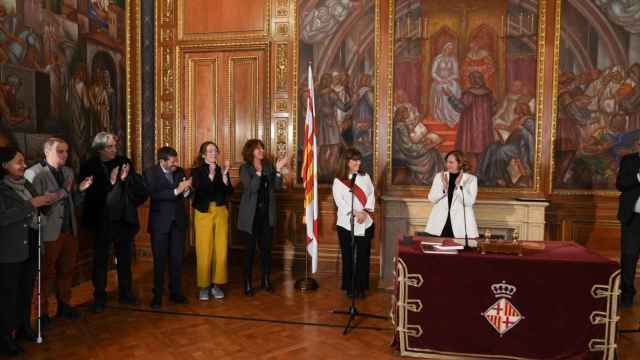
(283, 325)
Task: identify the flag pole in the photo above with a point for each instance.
(307, 283)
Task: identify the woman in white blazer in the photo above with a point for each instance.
(447, 192)
(363, 205)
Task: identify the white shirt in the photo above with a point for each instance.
(343, 197)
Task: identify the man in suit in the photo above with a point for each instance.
(60, 226)
(110, 212)
(168, 187)
(628, 183)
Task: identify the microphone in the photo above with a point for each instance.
(353, 179)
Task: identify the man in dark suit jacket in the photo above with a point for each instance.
(628, 183)
(167, 187)
(110, 212)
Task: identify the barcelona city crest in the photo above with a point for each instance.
(503, 315)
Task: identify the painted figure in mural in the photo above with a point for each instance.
(99, 99)
(363, 121)
(506, 113)
(445, 75)
(630, 102)
(340, 87)
(414, 147)
(329, 138)
(13, 109)
(476, 107)
(113, 109)
(57, 84)
(477, 60)
(323, 20)
(509, 160)
(79, 105)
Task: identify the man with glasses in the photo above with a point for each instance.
(110, 213)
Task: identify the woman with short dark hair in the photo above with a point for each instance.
(353, 190)
(257, 213)
(212, 187)
(19, 206)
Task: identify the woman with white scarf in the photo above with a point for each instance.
(19, 206)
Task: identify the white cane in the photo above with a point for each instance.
(39, 340)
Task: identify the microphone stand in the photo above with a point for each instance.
(353, 310)
(38, 219)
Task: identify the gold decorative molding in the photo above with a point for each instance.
(282, 29)
(282, 67)
(191, 117)
(536, 187)
(282, 127)
(281, 106)
(251, 34)
(167, 11)
(167, 72)
(282, 8)
(166, 35)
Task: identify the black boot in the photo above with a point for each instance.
(67, 311)
(248, 289)
(9, 347)
(27, 333)
(266, 283)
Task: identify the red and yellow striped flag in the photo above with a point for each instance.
(310, 176)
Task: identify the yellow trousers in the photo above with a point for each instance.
(208, 245)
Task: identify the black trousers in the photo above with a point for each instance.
(363, 252)
(121, 235)
(630, 251)
(168, 248)
(262, 235)
(16, 291)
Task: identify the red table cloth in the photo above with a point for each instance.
(556, 303)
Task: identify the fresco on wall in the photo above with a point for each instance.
(62, 72)
(598, 117)
(337, 37)
(465, 79)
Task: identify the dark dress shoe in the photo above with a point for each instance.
(266, 284)
(128, 299)
(156, 302)
(98, 307)
(67, 311)
(248, 289)
(9, 347)
(46, 322)
(179, 299)
(27, 333)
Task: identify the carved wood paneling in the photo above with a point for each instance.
(205, 20)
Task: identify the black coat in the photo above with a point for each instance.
(16, 216)
(165, 206)
(203, 185)
(629, 186)
(105, 202)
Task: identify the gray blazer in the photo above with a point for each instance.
(16, 215)
(44, 181)
(249, 200)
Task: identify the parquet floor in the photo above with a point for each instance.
(283, 325)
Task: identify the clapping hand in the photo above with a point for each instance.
(459, 179)
(283, 162)
(114, 175)
(86, 183)
(46, 199)
(225, 172)
(125, 172)
(184, 185)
